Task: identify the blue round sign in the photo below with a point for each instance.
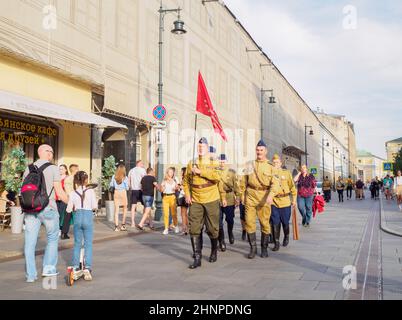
(159, 113)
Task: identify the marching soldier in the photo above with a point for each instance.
(327, 189)
(228, 187)
(202, 194)
(259, 185)
(281, 208)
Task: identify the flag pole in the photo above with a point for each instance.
(195, 137)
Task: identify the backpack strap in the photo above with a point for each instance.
(42, 169)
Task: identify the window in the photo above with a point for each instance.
(126, 26)
(87, 14)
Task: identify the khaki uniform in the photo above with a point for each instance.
(229, 186)
(255, 192)
(326, 185)
(286, 188)
(205, 194)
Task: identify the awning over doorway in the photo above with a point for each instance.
(18, 103)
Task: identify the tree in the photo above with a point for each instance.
(14, 166)
(398, 162)
(108, 170)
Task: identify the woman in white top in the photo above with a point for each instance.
(398, 188)
(168, 188)
(83, 202)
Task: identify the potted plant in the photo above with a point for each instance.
(108, 170)
(14, 166)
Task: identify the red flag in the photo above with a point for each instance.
(204, 106)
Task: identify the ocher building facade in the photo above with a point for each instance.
(109, 49)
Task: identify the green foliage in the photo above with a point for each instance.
(14, 166)
(108, 170)
(398, 162)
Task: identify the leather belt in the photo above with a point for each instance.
(169, 194)
(282, 195)
(258, 189)
(202, 186)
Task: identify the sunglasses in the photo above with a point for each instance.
(50, 151)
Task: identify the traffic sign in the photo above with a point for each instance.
(314, 171)
(159, 113)
(388, 166)
(159, 124)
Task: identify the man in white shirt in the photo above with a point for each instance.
(135, 176)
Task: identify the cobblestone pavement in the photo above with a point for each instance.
(153, 266)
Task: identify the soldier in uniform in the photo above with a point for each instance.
(281, 208)
(326, 188)
(229, 187)
(202, 194)
(259, 186)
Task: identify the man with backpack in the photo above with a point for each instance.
(41, 182)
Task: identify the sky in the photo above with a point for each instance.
(344, 57)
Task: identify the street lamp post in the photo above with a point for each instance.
(305, 140)
(271, 100)
(323, 156)
(179, 30)
(333, 165)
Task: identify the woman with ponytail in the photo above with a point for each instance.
(83, 202)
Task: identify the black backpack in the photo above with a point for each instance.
(34, 197)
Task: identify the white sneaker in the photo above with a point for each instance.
(87, 275)
(400, 207)
(166, 232)
(176, 230)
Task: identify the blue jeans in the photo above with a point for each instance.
(148, 201)
(83, 231)
(50, 219)
(305, 208)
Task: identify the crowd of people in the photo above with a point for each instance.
(207, 195)
(391, 187)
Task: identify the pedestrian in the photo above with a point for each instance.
(282, 204)
(359, 189)
(398, 188)
(230, 188)
(181, 202)
(61, 206)
(148, 186)
(135, 176)
(388, 184)
(83, 202)
(4, 201)
(120, 184)
(69, 187)
(340, 188)
(259, 186)
(326, 188)
(202, 195)
(349, 188)
(49, 216)
(168, 189)
(306, 185)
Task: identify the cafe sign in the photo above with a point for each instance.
(24, 132)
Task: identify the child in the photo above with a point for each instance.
(83, 202)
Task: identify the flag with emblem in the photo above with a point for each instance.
(205, 107)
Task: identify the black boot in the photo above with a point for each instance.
(214, 251)
(201, 241)
(230, 234)
(196, 244)
(253, 245)
(286, 230)
(270, 237)
(276, 235)
(222, 244)
(264, 245)
(243, 235)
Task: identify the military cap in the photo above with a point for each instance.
(212, 149)
(261, 143)
(276, 157)
(203, 140)
(222, 157)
